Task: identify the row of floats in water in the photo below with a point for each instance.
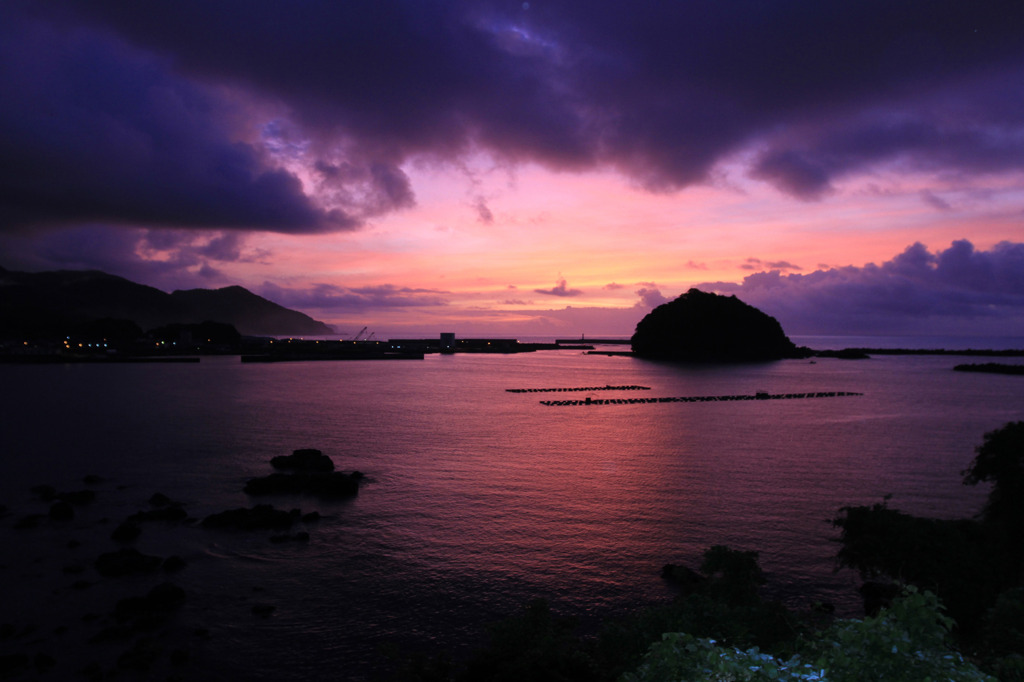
(582, 388)
(760, 395)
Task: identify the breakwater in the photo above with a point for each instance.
(580, 388)
(699, 398)
(602, 342)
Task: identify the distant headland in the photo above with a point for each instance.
(44, 304)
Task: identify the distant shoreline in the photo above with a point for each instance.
(991, 368)
(421, 347)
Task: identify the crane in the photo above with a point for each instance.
(358, 335)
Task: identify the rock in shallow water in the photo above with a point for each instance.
(307, 459)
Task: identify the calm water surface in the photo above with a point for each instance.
(476, 499)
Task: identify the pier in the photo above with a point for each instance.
(595, 342)
(699, 399)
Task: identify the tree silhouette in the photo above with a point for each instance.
(1000, 460)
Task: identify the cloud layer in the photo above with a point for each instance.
(953, 291)
(297, 117)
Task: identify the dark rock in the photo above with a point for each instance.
(113, 633)
(308, 459)
(12, 663)
(333, 484)
(92, 672)
(173, 564)
(301, 536)
(126, 532)
(78, 497)
(165, 597)
(129, 607)
(260, 517)
(44, 492)
(30, 521)
(92, 479)
(683, 576)
(61, 511)
(126, 561)
(171, 513)
(160, 500)
(311, 517)
(43, 662)
(705, 327)
(141, 657)
(151, 611)
(263, 610)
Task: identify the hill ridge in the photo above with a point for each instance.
(45, 303)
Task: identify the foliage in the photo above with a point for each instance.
(680, 656)
(957, 559)
(533, 645)
(966, 562)
(905, 642)
(1003, 635)
(536, 644)
(1000, 459)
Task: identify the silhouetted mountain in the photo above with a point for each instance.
(50, 303)
(704, 327)
(251, 314)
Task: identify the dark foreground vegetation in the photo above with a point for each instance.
(944, 600)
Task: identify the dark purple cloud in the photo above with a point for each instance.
(560, 289)
(758, 264)
(163, 258)
(332, 299)
(483, 212)
(650, 297)
(935, 201)
(95, 130)
(956, 290)
(133, 112)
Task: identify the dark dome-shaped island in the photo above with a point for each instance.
(704, 327)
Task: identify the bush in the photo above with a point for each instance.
(908, 642)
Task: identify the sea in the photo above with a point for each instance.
(476, 499)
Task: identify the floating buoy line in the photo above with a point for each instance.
(583, 388)
(699, 398)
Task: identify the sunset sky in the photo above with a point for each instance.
(528, 168)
